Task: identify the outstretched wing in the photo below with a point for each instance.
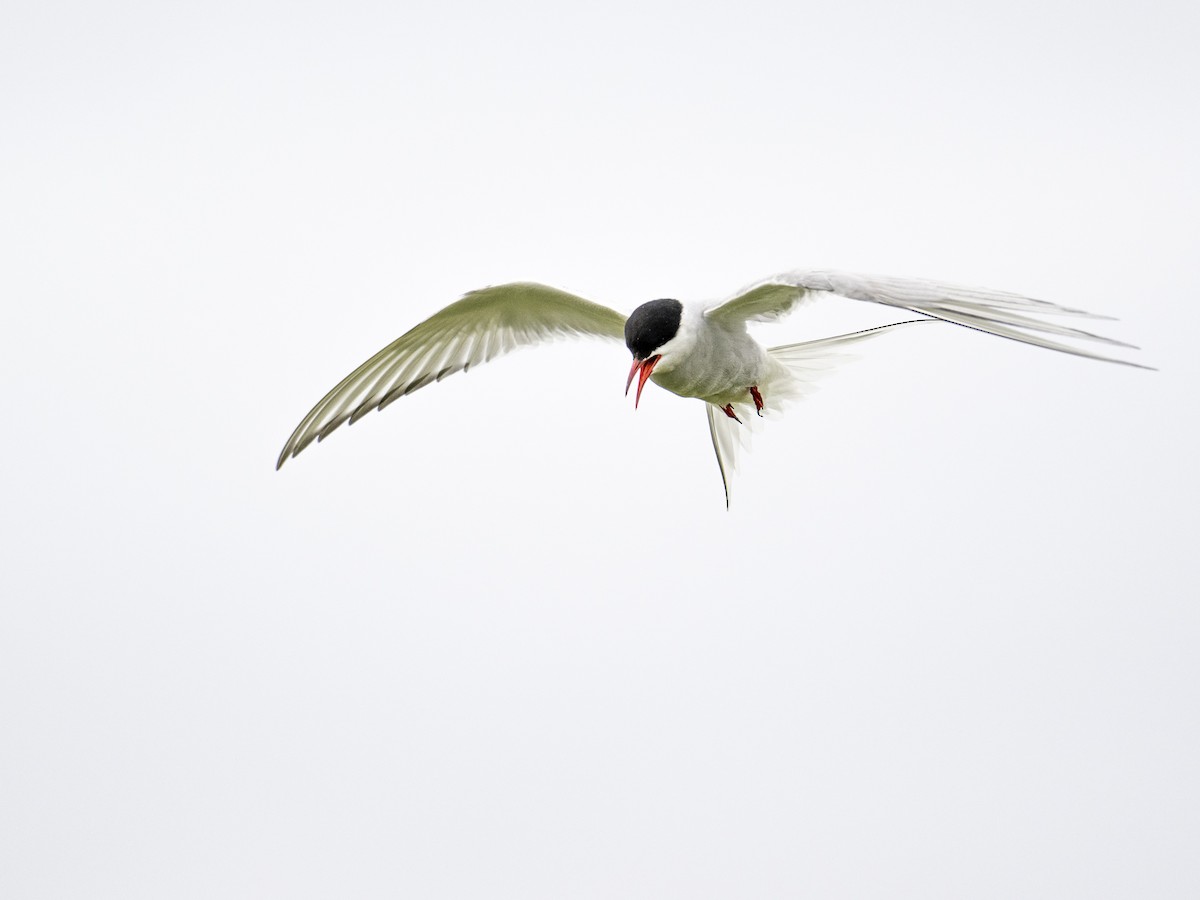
(481, 326)
(995, 312)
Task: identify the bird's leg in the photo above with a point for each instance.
(758, 400)
(728, 410)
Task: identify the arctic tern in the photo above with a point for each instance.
(695, 350)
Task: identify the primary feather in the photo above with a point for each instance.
(1000, 313)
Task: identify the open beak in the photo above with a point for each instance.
(642, 369)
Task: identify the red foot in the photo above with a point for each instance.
(729, 412)
(758, 401)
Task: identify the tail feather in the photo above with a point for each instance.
(804, 364)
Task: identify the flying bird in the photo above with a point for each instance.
(693, 350)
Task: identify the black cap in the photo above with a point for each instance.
(651, 325)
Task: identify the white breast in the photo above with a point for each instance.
(714, 362)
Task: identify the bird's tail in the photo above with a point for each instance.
(800, 366)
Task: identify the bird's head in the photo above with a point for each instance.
(650, 334)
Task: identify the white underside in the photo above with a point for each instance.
(791, 372)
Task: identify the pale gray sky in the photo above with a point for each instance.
(503, 640)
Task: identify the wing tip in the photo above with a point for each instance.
(289, 450)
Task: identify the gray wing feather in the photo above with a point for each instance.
(999, 313)
(764, 301)
(481, 326)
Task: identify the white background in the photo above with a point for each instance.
(504, 640)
